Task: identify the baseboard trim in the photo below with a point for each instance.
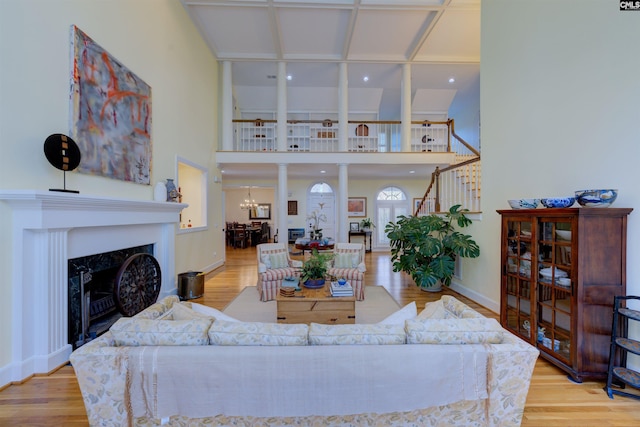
(475, 296)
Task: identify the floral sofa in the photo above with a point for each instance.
(180, 363)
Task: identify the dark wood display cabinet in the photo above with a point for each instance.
(560, 270)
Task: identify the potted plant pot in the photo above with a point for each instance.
(426, 247)
(315, 269)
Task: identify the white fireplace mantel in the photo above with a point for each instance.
(48, 229)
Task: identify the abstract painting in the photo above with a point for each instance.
(110, 114)
(357, 206)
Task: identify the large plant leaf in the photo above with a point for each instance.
(462, 245)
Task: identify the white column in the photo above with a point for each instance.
(343, 108)
(282, 225)
(343, 184)
(227, 107)
(44, 342)
(405, 131)
(282, 107)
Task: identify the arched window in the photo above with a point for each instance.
(321, 199)
(321, 187)
(392, 193)
(391, 202)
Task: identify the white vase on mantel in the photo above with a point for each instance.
(160, 192)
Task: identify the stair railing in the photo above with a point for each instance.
(456, 184)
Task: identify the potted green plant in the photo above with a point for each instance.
(367, 224)
(426, 247)
(315, 269)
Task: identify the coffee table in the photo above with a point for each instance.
(308, 247)
(316, 305)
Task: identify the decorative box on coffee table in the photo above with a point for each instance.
(317, 306)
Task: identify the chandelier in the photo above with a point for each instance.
(248, 203)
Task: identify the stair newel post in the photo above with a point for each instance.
(437, 175)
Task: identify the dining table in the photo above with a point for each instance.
(253, 236)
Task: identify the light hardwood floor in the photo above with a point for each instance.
(553, 400)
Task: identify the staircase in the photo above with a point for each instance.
(457, 184)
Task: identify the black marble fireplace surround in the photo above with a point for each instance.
(101, 269)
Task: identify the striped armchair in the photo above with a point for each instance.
(274, 264)
(348, 263)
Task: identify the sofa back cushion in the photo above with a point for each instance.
(346, 259)
(372, 334)
(129, 331)
(454, 331)
(257, 333)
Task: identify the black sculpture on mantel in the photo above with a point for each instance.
(63, 153)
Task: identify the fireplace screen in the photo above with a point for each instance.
(105, 287)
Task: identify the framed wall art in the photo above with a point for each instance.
(110, 113)
(292, 207)
(262, 211)
(357, 206)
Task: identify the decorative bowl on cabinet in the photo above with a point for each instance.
(558, 202)
(596, 198)
(524, 203)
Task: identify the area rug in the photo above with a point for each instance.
(377, 305)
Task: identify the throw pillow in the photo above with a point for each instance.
(128, 331)
(257, 333)
(409, 311)
(159, 308)
(376, 334)
(459, 309)
(212, 312)
(433, 310)
(454, 331)
(266, 260)
(344, 260)
(279, 260)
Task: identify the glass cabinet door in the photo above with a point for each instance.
(517, 277)
(555, 281)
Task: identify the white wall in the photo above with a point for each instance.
(559, 102)
(157, 41)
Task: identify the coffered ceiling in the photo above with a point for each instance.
(439, 38)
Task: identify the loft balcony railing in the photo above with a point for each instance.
(323, 136)
(458, 183)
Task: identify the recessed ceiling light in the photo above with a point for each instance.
(452, 79)
(365, 79)
(412, 171)
(323, 171)
(289, 77)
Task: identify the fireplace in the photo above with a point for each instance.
(48, 230)
(94, 304)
